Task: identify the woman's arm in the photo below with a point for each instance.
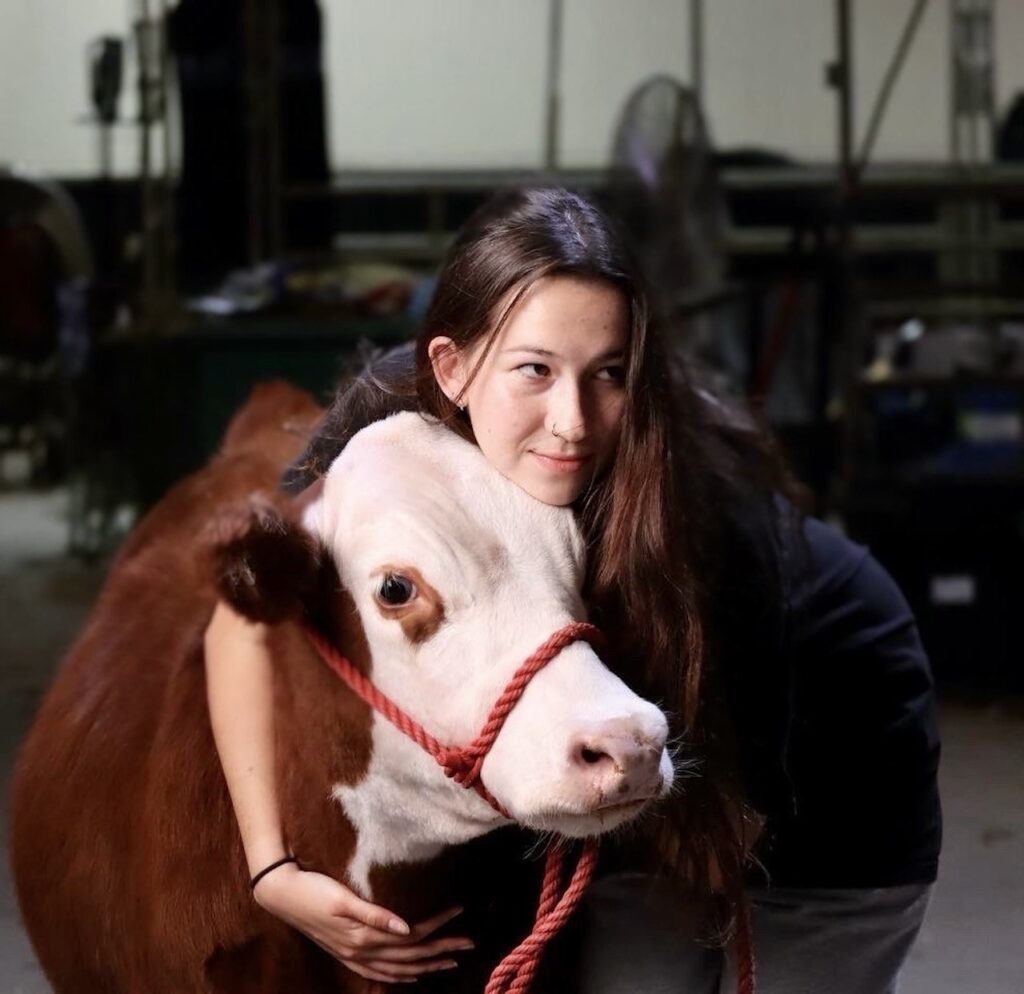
(369, 940)
(239, 687)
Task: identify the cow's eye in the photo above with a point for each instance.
(395, 590)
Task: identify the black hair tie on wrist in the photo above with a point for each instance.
(273, 866)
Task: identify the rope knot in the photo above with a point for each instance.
(462, 765)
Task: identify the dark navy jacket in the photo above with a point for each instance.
(835, 712)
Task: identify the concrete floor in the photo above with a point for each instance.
(973, 939)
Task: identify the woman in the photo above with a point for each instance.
(785, 656)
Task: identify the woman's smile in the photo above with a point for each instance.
(561, 463)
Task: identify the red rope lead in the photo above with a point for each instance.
(746, 971)
(514, 974)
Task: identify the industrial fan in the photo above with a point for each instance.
(664, 189)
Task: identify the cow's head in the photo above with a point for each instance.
(457, 577)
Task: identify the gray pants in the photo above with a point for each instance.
(635, 938)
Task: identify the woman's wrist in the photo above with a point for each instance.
(262, 852)
(271, 867)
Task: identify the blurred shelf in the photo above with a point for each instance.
(397, 246)
(910, 179)
(913, 179)
(884, 239)
(420, 181)
(959, 381)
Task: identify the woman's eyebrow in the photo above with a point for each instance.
(532, 349)
(536, 350)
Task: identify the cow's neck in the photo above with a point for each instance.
(323, 738)
(352, 788)
(397, 818)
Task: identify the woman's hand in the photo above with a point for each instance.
(369, 940)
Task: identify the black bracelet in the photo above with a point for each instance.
(273, 866)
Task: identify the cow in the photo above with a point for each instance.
(436, 577)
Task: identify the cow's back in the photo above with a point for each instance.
(117, 794)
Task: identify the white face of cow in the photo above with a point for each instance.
(458, 576)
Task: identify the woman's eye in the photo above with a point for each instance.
(396, 590)
(534, 370)
(614, 374)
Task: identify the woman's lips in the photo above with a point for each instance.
(560, 464)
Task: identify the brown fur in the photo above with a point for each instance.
(127, 861)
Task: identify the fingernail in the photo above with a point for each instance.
(466, 945)
(397, 926)
(457, 911)
(449, 964)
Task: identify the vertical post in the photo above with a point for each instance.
(840, 357)
(554, 96)
(972, 138)
(149, 207)
(168, 251)
(252, 109)
(843, 82)
(697, 50)
(275, 157)
(261, 38)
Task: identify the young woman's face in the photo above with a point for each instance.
(548, 401)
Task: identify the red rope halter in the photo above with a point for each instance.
(514, 974)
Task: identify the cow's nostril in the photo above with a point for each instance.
(588, 754)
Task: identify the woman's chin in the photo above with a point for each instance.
(557, 493)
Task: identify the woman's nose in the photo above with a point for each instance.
(566, 417)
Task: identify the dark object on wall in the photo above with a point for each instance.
(213, 49)
(105, 74)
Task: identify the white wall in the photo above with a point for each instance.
(44, 85)
(424, 83)
(460, 83)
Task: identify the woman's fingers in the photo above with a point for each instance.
(411, 954)
(360, 968)
(405, 971)
(431, 925)
(373, 916)
(370, 940)
(367, 939)
(365, 971)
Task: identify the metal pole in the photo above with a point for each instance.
(697, 49)
(841, 354)
(554, 85)
(149, 206)
(888, 82)
(168, 250)
(275, 163)
(252, 108)
(843, 81)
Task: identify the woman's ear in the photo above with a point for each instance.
(449, 367)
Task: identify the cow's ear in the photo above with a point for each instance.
(265, 564)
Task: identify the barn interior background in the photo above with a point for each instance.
(195, 196)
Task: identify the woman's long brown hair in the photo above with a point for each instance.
(653, 523)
